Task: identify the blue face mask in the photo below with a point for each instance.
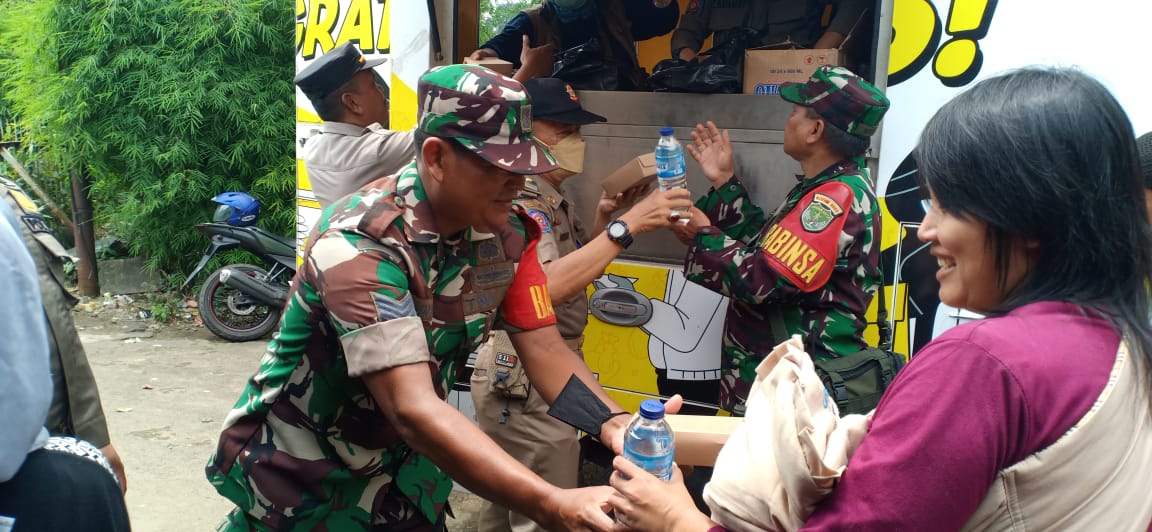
(573, 10)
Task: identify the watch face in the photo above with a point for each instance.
(616, 229)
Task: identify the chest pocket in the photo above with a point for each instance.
(489, 282)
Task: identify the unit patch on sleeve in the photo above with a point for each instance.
(541, 220)
(819, 213)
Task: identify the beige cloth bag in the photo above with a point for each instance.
(790, 451)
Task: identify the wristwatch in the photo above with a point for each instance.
(618, 232)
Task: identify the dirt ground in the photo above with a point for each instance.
(166, 390)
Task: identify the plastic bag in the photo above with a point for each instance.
(584, 68)
(674, 75)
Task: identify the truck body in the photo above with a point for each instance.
(922, 52)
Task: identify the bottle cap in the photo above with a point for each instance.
(651, 409)
(666, 131)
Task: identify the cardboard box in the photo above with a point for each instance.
(492, 63)
(699, 438)
(639, 170)
(765, 70)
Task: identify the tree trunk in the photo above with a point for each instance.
(87, 271)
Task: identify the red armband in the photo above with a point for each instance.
(804, 245)
(527, 304)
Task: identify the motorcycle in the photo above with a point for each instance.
(243, 302)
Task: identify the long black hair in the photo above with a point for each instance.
(1047, 155)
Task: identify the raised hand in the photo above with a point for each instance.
(535, 61)
(713, 150)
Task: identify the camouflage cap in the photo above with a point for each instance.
(485, 112)
(842, 98)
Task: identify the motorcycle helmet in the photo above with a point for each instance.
(236, 209)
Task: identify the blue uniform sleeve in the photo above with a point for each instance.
(27, 393)
(509, 42)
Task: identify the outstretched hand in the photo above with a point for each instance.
(713, 150)
(657, 210)
(579, 509)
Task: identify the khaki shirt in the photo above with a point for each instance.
(345, 157)
(1093, 478)
(563, 233)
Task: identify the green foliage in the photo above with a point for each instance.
(163, 103)
(165, 306)
(494, 13)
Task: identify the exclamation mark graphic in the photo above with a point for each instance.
(959, 60)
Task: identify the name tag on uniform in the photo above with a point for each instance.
(507, 360)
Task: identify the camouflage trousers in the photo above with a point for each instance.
(239, 521)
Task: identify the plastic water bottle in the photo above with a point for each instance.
(649, 443)
(670, 163)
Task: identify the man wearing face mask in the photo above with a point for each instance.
(507, 407)
(531, 38)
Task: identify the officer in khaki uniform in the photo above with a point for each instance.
(355, 146)
(76, 409)
(507, 407)
(776, 20)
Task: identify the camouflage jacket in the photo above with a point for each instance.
(815, 261)
(306, 446)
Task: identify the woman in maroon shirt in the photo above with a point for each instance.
(1036, 218)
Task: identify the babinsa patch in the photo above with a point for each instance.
(820, 213)
(541, 220)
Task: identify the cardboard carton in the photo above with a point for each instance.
(765, 70)
(639, 170)
(699, 438)
(492, 63)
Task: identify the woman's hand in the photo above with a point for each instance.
(713, 150)
(643, 502)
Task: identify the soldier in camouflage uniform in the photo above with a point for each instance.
(345, 426)
(815, 262)
(508, 408)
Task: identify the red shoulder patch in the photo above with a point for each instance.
(804, 245)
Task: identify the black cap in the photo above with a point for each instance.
(332, 70)
(553, 99)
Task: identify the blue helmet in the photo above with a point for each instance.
(236, 208)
